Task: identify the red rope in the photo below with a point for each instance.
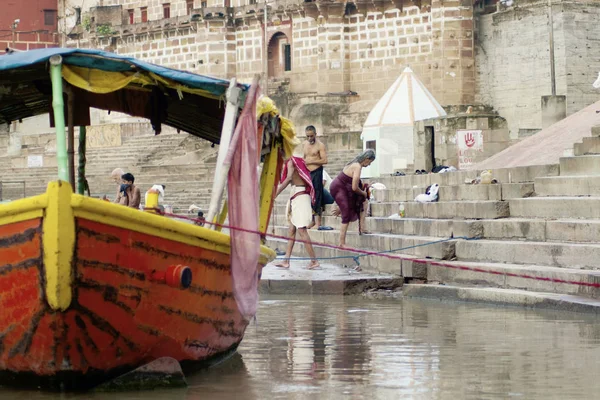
(395, 256)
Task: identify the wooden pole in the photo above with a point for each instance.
(71, 135)
(81, 181)
(231, 112)
(59, 116)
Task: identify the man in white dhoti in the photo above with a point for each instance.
(299, 208)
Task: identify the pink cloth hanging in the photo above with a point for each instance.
(243, 202)
(304, 173)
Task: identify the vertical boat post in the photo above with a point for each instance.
(71, 133)
(231, 112)
(81, 181)
(59, 117)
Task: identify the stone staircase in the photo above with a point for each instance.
(184, 163)
(540, 221)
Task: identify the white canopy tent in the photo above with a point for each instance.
(389, 126)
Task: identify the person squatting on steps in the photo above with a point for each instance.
(350, 193)
(315, 157)
(129, 195)
(298, 210)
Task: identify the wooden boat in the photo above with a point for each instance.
(90, 290)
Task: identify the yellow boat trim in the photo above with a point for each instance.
(220, 219)
(156, 225)
(23, 209)
(268, 185)
(58, 241)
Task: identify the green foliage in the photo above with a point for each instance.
(104, 30)
(87, 23)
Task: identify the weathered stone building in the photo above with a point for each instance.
(328, 62)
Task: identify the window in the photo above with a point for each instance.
(144, 11)
(204, 4)
(287, 54)
(167, 10)
(49, 17)
(190, 6)
(252, 2)
(131, 14)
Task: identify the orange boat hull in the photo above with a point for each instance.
(122, 313)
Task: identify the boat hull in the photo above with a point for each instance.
(122, 312)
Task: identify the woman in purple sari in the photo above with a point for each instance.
(348, 191)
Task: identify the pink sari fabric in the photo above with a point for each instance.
(243, 201)
(304, 173)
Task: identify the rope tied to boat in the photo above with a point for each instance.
(387, 254)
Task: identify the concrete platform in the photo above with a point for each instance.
(504, 297)
(402, 266)
(330, 279)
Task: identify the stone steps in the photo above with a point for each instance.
(539, 230)
(583, 185)
(503, 276)
(385, 242)
(589, 145)
(580, 165)
(504, 297)
(507, 175)
(460, 192)
(445, 209)
(553, 254)
(556, 207)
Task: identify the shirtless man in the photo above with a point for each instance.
(315, 157)
(298, 209)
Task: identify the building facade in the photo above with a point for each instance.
(28, 25)
(328, 62)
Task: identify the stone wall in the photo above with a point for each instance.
(494, 134)
(513, 61)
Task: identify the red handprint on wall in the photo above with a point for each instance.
(469, 139)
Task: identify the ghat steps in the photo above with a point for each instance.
(535, 231)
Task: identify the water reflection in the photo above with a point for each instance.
(334, 348)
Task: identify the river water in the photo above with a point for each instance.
(357, 348)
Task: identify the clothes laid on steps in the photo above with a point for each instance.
(298, 209)
(317, 181)
(349, 202)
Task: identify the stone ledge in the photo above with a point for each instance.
(504, 297)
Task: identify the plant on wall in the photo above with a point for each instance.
(87, 23)
(104, 30)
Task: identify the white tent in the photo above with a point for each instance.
(389, 126)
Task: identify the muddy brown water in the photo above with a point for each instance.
(357, 348)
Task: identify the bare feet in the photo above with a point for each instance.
(342, 245)
(283, 264)
(314, 264)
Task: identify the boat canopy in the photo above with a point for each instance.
(185, 101)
